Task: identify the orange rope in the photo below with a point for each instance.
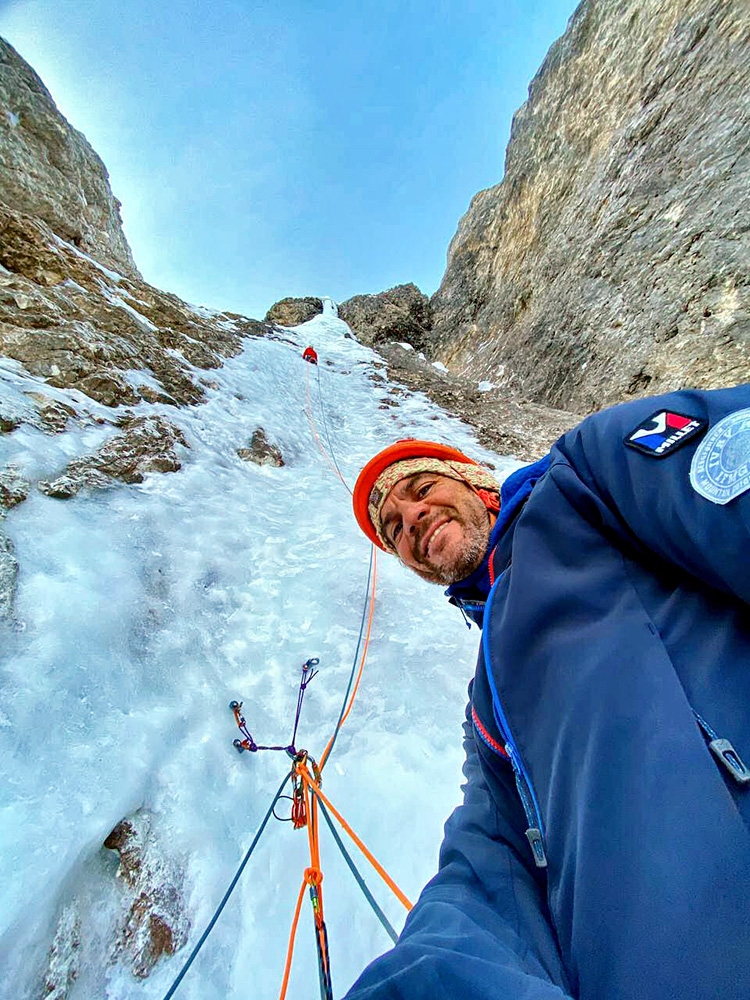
(321, 449)
(313, 874)
(313, 878)
(312, 823)
(308, 813)
(315, 788)
(348, 708)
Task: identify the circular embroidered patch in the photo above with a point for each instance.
(720, 470)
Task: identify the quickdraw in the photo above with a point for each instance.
(248, 743)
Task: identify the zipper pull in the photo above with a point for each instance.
(535, 838)
(534, 834)
(461, 609)
(725, 753)
(472, 607)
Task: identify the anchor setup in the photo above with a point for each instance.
(248, 743)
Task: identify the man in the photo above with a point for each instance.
(602, 850)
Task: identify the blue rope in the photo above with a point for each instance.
(360, 881)
(228, 893)
(356, 652)
(324, 966)
(328, 436)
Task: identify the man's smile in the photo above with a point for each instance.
(431, 535)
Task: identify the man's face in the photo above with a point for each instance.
(437, 526)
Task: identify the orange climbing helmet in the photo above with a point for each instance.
(399, 451)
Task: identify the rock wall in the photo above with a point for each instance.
(614, 258)
(82, 336)
(502, 423)
(80, 325)
(292, 312)
(74, 309)
(401, 314)
(49, 171)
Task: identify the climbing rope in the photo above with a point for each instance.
(228, 893)
(314, 799)
(306, 779)
(325, 428)
(330, 459)
(359, 880)
(303, 782)
(314, 878)
(316, 790)
(353, 685)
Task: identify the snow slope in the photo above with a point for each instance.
(147, 609)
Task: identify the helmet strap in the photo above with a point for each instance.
(490, 499)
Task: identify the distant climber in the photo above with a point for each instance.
(603, 846)
(310, 354)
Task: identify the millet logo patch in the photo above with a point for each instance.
(664, 432)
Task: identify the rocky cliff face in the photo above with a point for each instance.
(49, 171)
(75, 314)
(502, 423)
(398, 314)
(614, 258)
(74, 309)
(76, 323)
(292, 312)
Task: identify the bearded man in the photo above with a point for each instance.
(602, 851)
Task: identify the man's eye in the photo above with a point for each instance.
(424, 489)
(395, 532)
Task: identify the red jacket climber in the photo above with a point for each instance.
(309, 354)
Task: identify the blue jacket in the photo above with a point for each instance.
(602, 851)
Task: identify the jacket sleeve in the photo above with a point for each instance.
(649, 505)
(480, 928)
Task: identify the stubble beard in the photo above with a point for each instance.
(467, 558)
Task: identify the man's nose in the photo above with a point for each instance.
(414, 513)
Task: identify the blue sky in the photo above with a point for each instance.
(303, 147)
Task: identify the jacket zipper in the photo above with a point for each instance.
(535, 830)
(485, 737)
